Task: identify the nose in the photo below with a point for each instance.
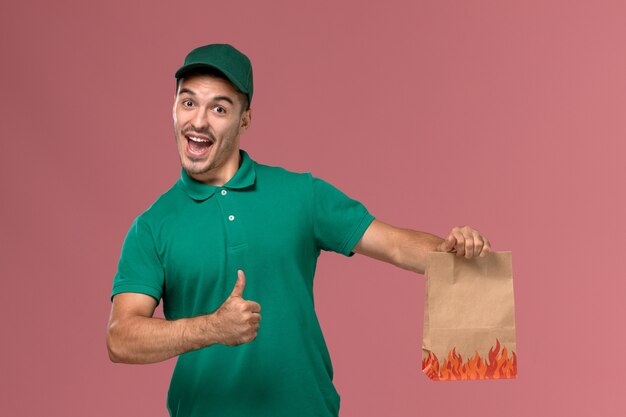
(199, 121)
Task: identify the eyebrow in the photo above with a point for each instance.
(216, 98)
(224, 98)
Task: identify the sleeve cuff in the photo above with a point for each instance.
(137, 288)
(357, 234)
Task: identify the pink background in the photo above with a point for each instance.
(507, 116)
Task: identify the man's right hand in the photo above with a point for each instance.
(237, 320)
(135, 336)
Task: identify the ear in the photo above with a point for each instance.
(178, 82)
(246, 119)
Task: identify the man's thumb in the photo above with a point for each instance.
(239, 285)
(447, 244)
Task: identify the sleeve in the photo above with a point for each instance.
(140, 269)
(338, 221)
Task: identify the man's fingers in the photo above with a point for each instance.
(481, 245)
(254, 307)
(468, 242)
(475, 244)
(478, 242)
(486, 249)
(239, 285)
(459, 243)
(256, 318)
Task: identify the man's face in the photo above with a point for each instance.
(208, 119)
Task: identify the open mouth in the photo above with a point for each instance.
(198, 145)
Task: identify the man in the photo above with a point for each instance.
(231, 237)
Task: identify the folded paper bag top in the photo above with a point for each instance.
(469, 318)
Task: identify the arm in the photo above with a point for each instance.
(134, 336)
(408, 249)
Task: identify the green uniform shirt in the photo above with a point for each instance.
(271, 223)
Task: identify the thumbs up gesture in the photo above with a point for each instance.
(237, 320)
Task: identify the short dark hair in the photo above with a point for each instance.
(214, 72)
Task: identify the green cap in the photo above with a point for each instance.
(226, 59)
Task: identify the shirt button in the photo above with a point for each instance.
(224, 192)
(231, 217)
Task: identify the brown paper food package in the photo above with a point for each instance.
(469, 318)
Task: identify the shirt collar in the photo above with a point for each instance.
(199, 191)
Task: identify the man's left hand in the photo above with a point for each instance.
(467, 242)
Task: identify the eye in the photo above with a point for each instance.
(220, 110)
(187, 103)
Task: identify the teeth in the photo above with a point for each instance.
(195, 139)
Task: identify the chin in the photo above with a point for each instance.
(197, 168)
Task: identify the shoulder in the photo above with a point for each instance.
(275, 175)
(163, 206)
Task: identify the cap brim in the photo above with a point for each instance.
(186, 69)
